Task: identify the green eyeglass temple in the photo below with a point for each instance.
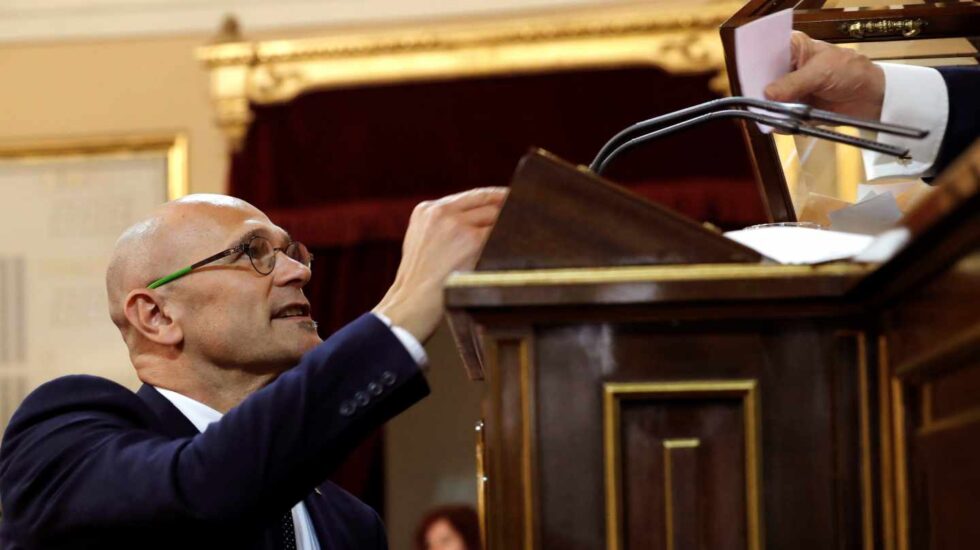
(175, 275)
(242, 249)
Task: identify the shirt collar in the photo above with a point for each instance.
(198, 413)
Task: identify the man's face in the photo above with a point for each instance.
(231, 315)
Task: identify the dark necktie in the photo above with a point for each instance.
(288, 531)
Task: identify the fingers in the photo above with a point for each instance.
(794, 86)
(797, 42)
(474, 198)
(480, 236)
(807, 77)
(481, 216)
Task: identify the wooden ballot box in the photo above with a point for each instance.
(650, 384)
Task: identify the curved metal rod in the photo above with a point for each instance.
(790, 126)
(797, 111)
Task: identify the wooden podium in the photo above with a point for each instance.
(634, 402)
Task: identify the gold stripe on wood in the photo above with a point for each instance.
(523, 535)
(864, 398)
(528, 451)
(953, 422)
(481, 481)
(901, 473)
(944, 357)
(669, 446)
(613, 395)
(926, 397)
(641, 274)
(887, 471)
(174, 146)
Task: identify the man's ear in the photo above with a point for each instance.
(145, 311)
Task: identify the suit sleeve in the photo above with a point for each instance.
(80, 456)
(963, 126)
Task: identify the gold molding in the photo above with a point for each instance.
(941, 358)
(953, 422)
(174, 146)
(864, 398)
(887, 451)
(651, 273)
(528, 450)
(901, 469)
(669, 445)
(481, 480)
(613, 395)
(522, 344)
(677, 39)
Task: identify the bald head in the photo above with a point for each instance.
(168, 239)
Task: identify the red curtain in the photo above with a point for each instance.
(342, 169)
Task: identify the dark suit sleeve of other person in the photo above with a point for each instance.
(82, 456)
(963, 126)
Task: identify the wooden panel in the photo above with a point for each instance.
(951, 454)
(810, 423)
(509, 432)
(682, 465)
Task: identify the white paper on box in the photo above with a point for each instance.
(762, 53)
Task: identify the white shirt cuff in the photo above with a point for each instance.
(413, 346)
(914, 96)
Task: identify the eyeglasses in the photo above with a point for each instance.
(260, 253)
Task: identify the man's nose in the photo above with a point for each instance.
(289, 271)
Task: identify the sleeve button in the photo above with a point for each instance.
(374, 389)
(361, 398)
(388, 378)
(347, 408)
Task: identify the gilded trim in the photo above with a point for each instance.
(943, 357)
(481, 481)
(926, 397)
(680, 40)
(887, 456)
(613, 395)
(528, 450)
(669, 446)
(578, 25)
(174, 146)
(613, 472)
(901, 472)
(864, 398)
(652, 273)
(956, 421)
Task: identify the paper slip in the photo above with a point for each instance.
(762, 53)
(871, 216)
(801, 245)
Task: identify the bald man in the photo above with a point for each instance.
(244, 412)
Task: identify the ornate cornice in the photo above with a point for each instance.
(676, 39)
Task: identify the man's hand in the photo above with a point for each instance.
(443, 236)
(831, 78)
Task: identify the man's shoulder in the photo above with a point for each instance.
(78, 389)
(73, 396)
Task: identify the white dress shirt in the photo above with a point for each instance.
(914, 96)
(201, 415)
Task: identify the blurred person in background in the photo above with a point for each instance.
(454, 527)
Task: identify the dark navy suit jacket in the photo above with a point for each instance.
(85, 463)
(963, 126)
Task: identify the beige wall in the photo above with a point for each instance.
(110, 88)
(431, 456)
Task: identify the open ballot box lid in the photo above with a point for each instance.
(804, 178)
